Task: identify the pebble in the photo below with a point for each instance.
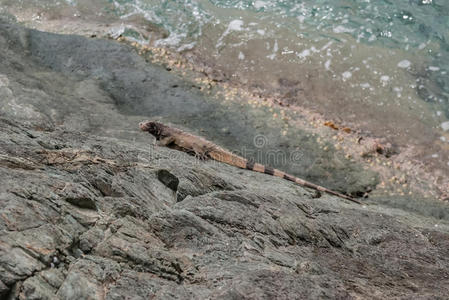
(445, 126)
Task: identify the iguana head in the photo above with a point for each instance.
(152, 127)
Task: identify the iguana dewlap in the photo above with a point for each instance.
(202, 148)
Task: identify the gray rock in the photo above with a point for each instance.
(84, 214)
(43, 286)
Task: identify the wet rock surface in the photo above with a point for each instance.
(90, 209)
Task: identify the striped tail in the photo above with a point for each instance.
(238, 161)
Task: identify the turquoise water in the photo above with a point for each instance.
(404, 24)
(417, 27)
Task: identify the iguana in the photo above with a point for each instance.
(177, 139)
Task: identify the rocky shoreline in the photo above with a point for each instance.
(396, 148)
(89, 209)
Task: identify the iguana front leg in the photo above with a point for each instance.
(166, 141)
(200, 152)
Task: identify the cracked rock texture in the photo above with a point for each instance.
(89, 209)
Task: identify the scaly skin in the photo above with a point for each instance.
(202, 148)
